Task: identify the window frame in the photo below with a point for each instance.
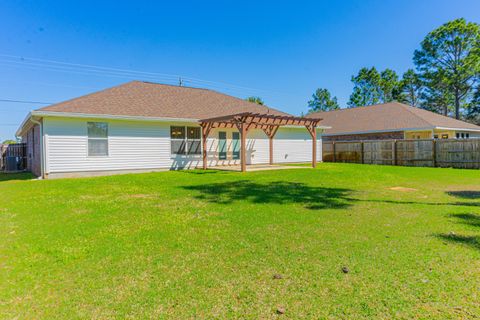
(222, 155)
(106, 139)
(186, 141)
(236, 154)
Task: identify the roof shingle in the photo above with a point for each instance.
(386, 117)
(146, 99)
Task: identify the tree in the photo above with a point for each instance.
(473, 110)
(411, 87)
(322, 101)
(389, 85)
(9, 142)
(256, 100)
(449, 58)
(372, 87)
(437, 98)
(366, 89)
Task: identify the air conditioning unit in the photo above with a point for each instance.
(13, 163)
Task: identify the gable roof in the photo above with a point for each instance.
(153, 100)
(392, 116)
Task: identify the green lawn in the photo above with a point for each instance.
(194, 244)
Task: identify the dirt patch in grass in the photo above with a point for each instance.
(82, 211)
(140, 196)
(403, 189)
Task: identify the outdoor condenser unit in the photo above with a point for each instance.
(12, 163)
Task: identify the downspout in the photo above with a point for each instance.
(42, 146)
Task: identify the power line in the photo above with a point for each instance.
(55, 65)
(25, 101)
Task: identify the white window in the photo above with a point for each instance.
(463, 135)
(97, 139)
(185, 140)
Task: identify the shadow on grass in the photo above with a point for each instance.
(15, 176)
(279, 192)
(468, 219)
(464, 204)
(471, 241)
(465, 194)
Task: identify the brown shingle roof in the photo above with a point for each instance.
(146, 99)
(386, 117)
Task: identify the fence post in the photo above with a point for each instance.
(334, 155)
(434, 152)
(394, 151)
(362, 152)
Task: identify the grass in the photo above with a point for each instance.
(194, 244)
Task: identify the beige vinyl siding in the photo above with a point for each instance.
(143, 145)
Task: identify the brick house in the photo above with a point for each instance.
(392, 120)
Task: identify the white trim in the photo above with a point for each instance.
(119, 117)
(398, 130)
(18, 133)
(108, 116)
(457, 129)
(378, 131)
(42, 147)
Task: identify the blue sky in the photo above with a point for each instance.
(279, 50)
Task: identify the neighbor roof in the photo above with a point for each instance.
(146, 99)
(392, 116)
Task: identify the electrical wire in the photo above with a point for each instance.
(24, 101)
(55, 65)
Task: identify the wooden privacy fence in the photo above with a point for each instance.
(13, 157)
(418, 153)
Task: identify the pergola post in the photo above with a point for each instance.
(243, 146)
(270, 143)
(205, 131)
(312, 129)
(270, 131)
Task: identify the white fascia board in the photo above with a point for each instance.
(379, 131)
(121, 117)
(108, 116)
(18, 133)
(457, 129)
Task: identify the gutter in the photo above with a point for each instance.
(18, 133)
(399, 129)
(122, 117)
(107, 116)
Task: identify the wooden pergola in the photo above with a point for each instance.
(266, 122)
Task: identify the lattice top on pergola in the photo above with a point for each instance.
(267, 122)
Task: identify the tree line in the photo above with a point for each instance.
(446, 78)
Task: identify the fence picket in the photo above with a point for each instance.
(420, 153)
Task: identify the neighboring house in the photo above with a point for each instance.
(392, 120)
(142, 126)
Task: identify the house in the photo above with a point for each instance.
(392, 120)
(143, 126)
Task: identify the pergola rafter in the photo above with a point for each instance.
(266, 122)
